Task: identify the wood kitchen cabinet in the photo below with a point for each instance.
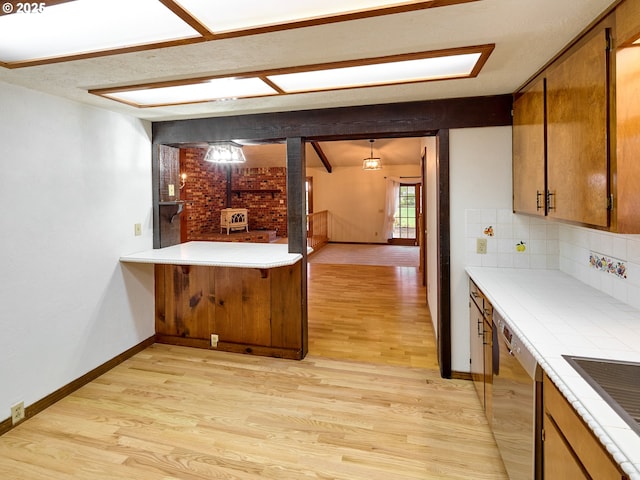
(570, 449)
(578, 133)
(529, 150)
(561, 131)
(589, 97)
(481, 336)
(627, 180)
(251, 310)
(591, 129)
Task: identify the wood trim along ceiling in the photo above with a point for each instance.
(483, 50)
(206, 34)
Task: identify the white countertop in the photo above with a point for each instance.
(555, 315)
(219, 254)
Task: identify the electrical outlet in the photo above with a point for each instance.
(17, 413)
(137, 229)
(481, 245)
(214, 340)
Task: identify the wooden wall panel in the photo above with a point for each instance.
(161, 299)
(286, 303)
(256, 306)
(169, 173)
(228, 319)
(183, 301)
(251, 310)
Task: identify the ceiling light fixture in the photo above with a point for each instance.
(460, 62)
(198, 91)
(371, 163)
(225, 152)
(63, 30)
(84, 28)
(455, 65)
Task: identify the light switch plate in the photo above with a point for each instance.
(172, 190)
(137, 229)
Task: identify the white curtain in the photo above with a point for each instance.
(391, 203)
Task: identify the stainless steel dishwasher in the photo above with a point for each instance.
(517, 404)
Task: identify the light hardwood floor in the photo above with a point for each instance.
(366, 403)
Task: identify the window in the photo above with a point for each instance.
(407, 213)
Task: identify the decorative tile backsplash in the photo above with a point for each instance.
(607, 264)
(513, 241)
(606, 261)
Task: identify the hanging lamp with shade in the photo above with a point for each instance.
(225, 152)
(371, 163)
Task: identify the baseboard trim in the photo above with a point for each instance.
(62, 392)
(461, 376)
(357, 243)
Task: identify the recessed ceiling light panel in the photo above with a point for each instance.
(220, 17)
(407, 71)
(85, 26)
(463, 62)
(216, 89)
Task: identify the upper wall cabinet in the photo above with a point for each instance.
(529, 188)
(578, 134)
(627, 181)
(590, 129)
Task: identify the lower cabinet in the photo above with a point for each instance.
(570, 450)
(250, 310)
(476, 361)
(487, 351)
(481, 335)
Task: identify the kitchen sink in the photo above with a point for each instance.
(617, 382)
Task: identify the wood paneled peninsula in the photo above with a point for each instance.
(236, 297)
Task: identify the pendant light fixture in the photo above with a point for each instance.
(371, 163)
(225, 152)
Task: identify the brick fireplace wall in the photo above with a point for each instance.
(205, 194)
(266, 211)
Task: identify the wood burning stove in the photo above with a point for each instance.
(233, 219)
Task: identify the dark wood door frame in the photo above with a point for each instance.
(443, 262)
(411, 119)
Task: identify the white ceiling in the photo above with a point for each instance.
(527, 33)
(342, 153)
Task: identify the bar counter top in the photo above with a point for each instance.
(219, 254)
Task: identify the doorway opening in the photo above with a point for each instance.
(407, 214)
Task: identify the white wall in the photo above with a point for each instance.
(75, 180)
(355, 200)
(431, 226)
(480, 178)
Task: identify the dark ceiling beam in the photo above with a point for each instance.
(321, 155)
(342, 123)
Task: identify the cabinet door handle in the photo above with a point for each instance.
(539, 195)
(551, 205)
(480, 330)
